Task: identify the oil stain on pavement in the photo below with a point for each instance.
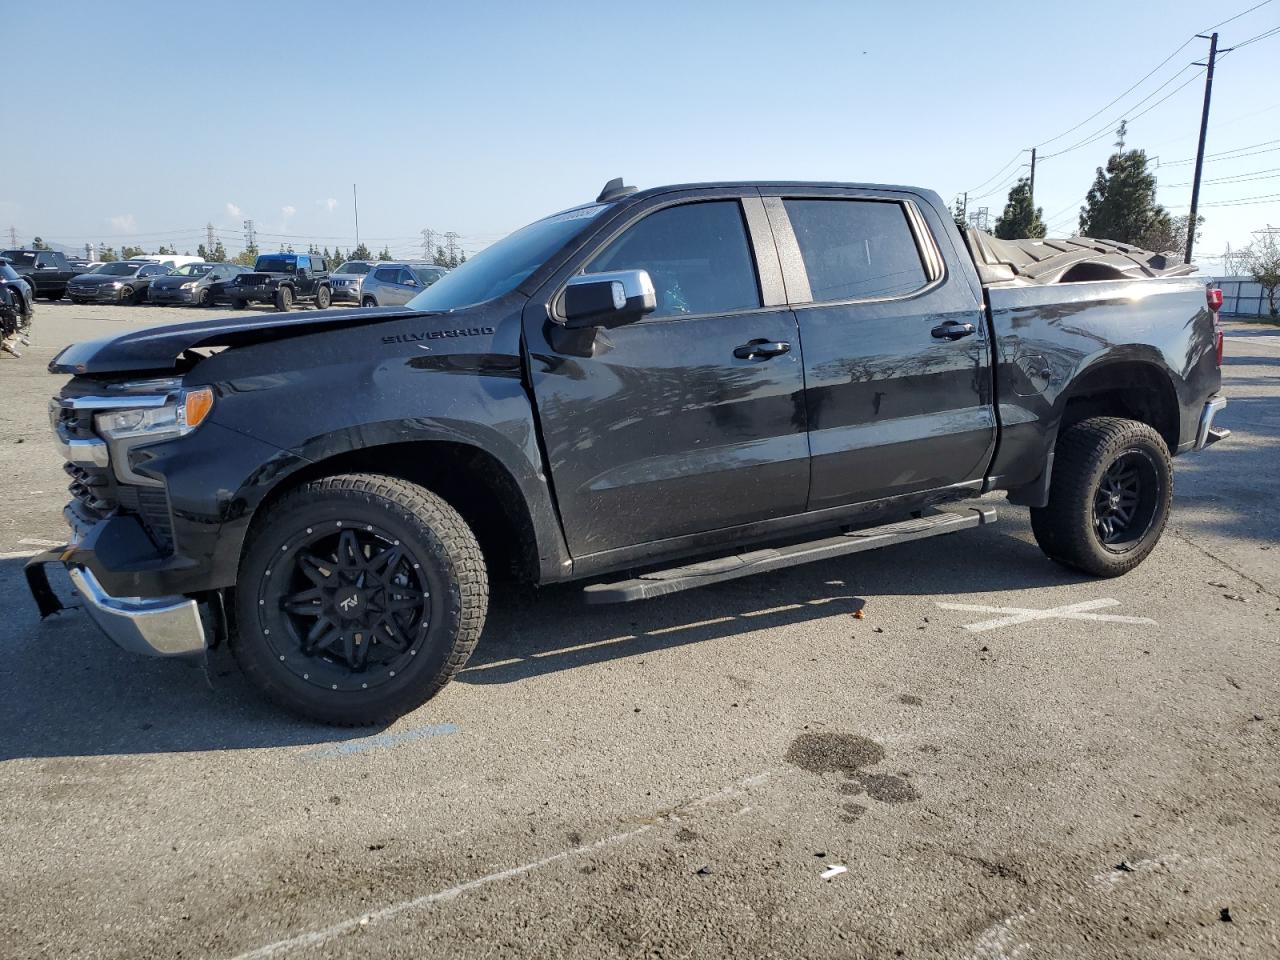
(848, 754)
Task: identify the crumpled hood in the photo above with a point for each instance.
(99, 279)
(159, 348)
(175, 282)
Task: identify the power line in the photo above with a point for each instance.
(998, 173)
(1223, 154)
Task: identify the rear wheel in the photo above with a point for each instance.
(358, 598)
(284, 298)
(1109, 497)
(51, 297)
(323, 298)
(368, 302)
(237, 304)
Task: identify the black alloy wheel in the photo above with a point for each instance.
(345, 607)
(1124, 504)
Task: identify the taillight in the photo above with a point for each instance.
(1213, 297)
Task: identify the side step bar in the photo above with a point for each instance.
(660, 582)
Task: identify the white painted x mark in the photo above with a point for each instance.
(1011, 616)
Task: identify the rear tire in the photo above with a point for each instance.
(368, 302)
(237, 304)
(323, 298)
(1109, 497)
(284, 299)
(325, 571)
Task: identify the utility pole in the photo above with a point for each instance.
(1204, 129)
(355, 203)
(1033, 177)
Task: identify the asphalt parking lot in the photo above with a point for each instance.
(1010, 760)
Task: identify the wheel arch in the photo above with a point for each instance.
(470, 478)
(1133, 387)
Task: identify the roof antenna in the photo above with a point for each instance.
(613, 190)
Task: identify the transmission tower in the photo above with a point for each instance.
(13, 236)
(429, 244)
(451, 246)
(249, 243)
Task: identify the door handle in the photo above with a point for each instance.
(761, 349)
(953, 330)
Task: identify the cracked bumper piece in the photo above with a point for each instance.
(1206, 433)
(152, 626)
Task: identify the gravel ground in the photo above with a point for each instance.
(673, 778)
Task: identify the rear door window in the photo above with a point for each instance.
(697, 255)
(856, 249)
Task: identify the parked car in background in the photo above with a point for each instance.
(16, 309)
(347, 279)
(193, 283)
(395, 284)
(168, 259)
(46, 270)
(218, 288)
(283, 279)
(125, 281)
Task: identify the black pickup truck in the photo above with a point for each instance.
(282, 279)
(753, 375)
(46, 270)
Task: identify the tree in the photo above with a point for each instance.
(441, 259)
(248, 256)
(1262, 260)
(128, 253)
(957, 214)
(108, 255)
(1121, 204)
(385, 254)
(38, 244)
(360, 253)
(202, 253)
(218, 254)
(1020, 218)
(167, 250)
(1174, 239)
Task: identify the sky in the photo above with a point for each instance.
(141, 123)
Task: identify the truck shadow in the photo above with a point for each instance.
(68, 691)
(528, 636)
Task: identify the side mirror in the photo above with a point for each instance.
(608, 299)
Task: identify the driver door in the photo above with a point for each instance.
(669, 426)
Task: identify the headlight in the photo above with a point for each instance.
(176, 418)
(189, 285)
(116, 284)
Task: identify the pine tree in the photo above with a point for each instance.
(218, 254)
(1121, 204)
(385, 254)
(201, 252)
(361, 253)
(441, 259)
(957, 214)
(128, 253)
(108, 255)
(1020, 218)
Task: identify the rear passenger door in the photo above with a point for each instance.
(896, 357)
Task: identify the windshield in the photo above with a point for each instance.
(354, 268)
(502, 267)
(275, 265)
(22, 258)
(192, 270)
(119, 269)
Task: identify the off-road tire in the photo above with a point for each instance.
(1067, 527)
(284, 299)
(429, 531)
(238, 304)
(323, 298)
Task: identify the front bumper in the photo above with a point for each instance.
(95, 294)
(152, 626)
(342, 293)
(1206, 433)
(155, 295)
(253, 294)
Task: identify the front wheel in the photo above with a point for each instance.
(368, 302)
(323, 298)
(284, 299)
(358, 598)
(237, 304)
(1109, 496)
(205, 299)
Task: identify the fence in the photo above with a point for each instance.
(1241, 297)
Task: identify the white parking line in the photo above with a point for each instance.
(316, 937)
(1012, 616)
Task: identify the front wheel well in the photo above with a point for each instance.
(470, 479)
(1131, 390)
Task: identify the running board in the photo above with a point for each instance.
(675, 579)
